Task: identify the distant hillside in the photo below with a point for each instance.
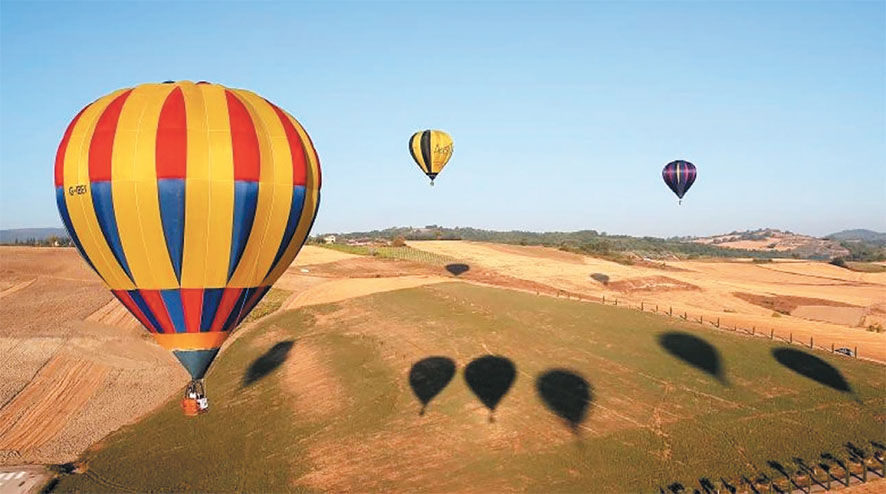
(772, 240)
(621, 248)
(859, 235)
(29, 235)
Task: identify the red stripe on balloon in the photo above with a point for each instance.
(101, 147)
(296, 148)
(244, 141)
(62, 149)
(124, 297)
(172, 137)
(225, 307)
(192, 305)
(158, 308)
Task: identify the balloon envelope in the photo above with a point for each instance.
(431, 150)
(679, 176)
(189, 201)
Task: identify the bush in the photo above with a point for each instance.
(399, 242)
(839, 261)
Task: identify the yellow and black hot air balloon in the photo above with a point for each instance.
(431, 150)
(189, 201)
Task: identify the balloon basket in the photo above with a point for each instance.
(195, 402)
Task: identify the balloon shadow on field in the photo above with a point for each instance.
(490, 378)
(602, 278)
(812, 367)
(457, 269)
(695, 352)
(428, 377)
(269, 361)
(567, 394)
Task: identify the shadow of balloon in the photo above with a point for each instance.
(812, 367)
(490, 378)
(428, 377)
(269, 361)
(457, 269)
(602, 278)
(695, 352)
(567, 394)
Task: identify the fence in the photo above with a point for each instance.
(769, 333)
(826, 472)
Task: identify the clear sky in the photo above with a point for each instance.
(562, 114)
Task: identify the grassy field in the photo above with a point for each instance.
(269, 303)
(866, 267)
(585, 397)
(404, 253)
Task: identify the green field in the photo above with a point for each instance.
(404, 253)
(604, 399)
(865, 267)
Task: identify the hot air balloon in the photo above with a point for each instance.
(431, 150)
(679, 176)
(189, 201)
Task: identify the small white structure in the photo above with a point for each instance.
(329, 239)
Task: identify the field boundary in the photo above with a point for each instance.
(823, 474)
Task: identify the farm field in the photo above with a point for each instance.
(708, 289)
(342, 333)
(520, 392)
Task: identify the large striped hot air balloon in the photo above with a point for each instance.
(431, 150)
(679, 176)
(189, 201)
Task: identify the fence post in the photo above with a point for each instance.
(792, 337)
(848, 471)
(670, 311)
(832, 348)
(771, 334)
(616, 302)
(810, 343)
(828, 473)
(856, 351)
(753, 330)
(718, 322)
(701, 319)
(656, 308)
(641, 305)
(685, 316)
(604, 299)
(864, 470)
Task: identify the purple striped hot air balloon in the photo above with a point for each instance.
(679, 176)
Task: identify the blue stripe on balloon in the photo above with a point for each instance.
(173, 301)
(232, 319)
(211, 299)
(143, 306)
(245, 199)
(171, 192)
(66, 219)
(298, 203)
(103, 203)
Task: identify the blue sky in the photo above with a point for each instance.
(562, 114)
